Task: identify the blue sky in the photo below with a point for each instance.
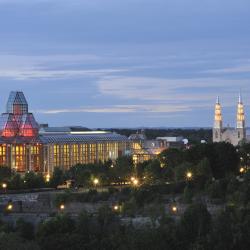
(116, 63)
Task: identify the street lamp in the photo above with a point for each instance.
(116, 208)
(135, 182)
(47, 178)
(189, 175)
(96, 181)
(9, 207)
(174, 209)
(242, 170)
(4, 186)
(62, 207)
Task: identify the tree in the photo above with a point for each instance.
(222, 234)
(5, 173)
(195, 223)
(244, 154)
(81, 174)
(181, 171)
(16, 182)
(57, 233)
(217, 190)
(25, 229)
(57, 177)
(225, 160)
(31, 180)
(13, 241)
(222, 156)
(171, 157)
(188, 194)
(203, 173)
(122, 169)
(153, 171)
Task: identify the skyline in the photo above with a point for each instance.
(157, 64)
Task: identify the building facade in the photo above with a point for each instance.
(143, 149)
(24, 148)
(231, 135)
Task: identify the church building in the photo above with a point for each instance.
(231, 135)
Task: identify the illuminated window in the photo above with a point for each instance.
(101, 152)
(19, 157)
(66, 156)
(56, 155)
(3, 155)
(92, 153)
(85, 153)
(35, 157)
(75, 154)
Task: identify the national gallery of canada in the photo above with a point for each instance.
(27, 146)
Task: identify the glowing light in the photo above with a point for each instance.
(174, 209)
(116, 207)
(135, 182)
(96, 181)
(242, 170)
(62, 207)
(47, 178)
(9, 207)
(189, 175)
(4, 185)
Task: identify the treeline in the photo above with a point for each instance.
(11, 180)
(205, 162)
(196, 229)
(193, 135)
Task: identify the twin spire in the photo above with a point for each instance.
(240, 113)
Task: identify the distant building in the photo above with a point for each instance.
(231, 135)
(143, 149)
(173, 141)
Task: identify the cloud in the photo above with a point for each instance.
(161, 108)
(27, 74)
(230, 70)
(56, 66)
(187, 90)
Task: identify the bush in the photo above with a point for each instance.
(216, 190)
(188, 194)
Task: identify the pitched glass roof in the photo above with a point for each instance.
(17, 101)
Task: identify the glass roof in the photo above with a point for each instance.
(68, 138)
(17, 121)
(8, 125)
(17, 103)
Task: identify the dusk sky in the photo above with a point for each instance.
(126, 63)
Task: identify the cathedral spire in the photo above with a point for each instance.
(240, 98)
(218, 100)
(240, 113)
(218, 114)
(217, 129)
